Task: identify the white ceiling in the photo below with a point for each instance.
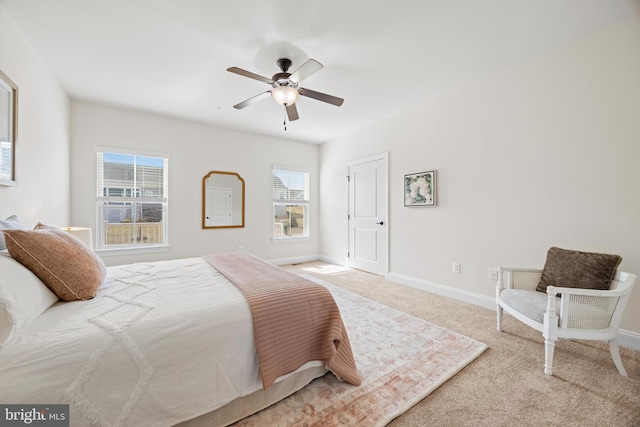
(170, 57)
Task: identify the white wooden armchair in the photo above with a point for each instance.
(572, 313)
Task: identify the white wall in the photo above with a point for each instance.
(194, 150)
(42, 146)
(543, 154)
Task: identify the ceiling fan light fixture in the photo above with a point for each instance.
(284, 95)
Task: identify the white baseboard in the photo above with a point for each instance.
(447, 291)
(334, 261)
(626, 339)
(629, 339)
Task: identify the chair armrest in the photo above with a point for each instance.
(518, 278)
(590, 308)
(616, 293)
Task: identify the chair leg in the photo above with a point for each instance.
(499, 289)
(615, 355)
(549, 345)
(550, 330)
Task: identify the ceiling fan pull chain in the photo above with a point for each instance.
(284, 123)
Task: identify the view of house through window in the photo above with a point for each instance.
(290, 203)
(6, 159)
(132, 200)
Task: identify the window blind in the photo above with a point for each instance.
(141, 177)
(290, 185)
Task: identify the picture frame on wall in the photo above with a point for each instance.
(420, 189)
(8, 130)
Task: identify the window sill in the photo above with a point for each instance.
(132, 251)
(289, 239)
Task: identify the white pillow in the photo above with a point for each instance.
(23, 297)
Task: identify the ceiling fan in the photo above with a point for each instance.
(285, 86)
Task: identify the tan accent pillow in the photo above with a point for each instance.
(575, 269)
(63, 263)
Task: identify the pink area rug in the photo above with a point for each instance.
(401, 359)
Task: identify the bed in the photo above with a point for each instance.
(161, 343)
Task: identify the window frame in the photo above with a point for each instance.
(10, 123)
(305, 203)
(131, 197)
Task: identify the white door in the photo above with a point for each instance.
(218, 206)
(368, 212)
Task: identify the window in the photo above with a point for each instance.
(8, 127)
(290, 204)
(132, 200)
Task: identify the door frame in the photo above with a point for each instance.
(385, 157)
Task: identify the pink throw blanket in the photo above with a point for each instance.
(294, 320)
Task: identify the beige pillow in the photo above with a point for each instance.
(575, 269)
(63, 263)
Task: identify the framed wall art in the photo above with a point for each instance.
(8, 127)
(420, 189)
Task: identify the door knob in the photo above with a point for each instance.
(380, 223)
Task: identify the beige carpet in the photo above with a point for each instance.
(400, 359)
(506, 385)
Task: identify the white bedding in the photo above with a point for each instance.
(142, 352)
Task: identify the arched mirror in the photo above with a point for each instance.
(222, 200)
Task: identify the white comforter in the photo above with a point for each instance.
(143, 352)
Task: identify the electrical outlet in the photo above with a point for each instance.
(493, 274)
(240, 249)
(455, 267)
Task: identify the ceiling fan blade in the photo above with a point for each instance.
(249, 74)
(321, 96)
(252, 100)
(292, 112)
(308, 68)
